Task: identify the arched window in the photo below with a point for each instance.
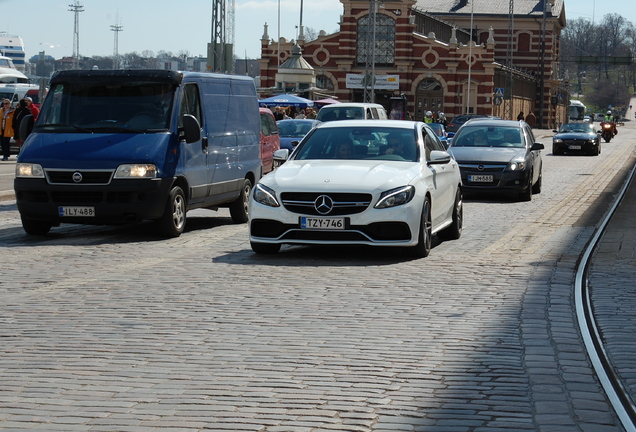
(323, 82)
(384, 39)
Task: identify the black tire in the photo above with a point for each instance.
(424, 237)
(526, 195)
(265, 248)
(35, 227)
(172, 222)
(454, 231)
(556, 152)
(595, 152)
(536, 189)
(239, 209)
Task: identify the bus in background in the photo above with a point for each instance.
(576, 111)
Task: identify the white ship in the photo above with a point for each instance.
(13, 47)
(9, 73)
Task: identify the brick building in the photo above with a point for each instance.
(423, 52)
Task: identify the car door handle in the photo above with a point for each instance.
(204, 144)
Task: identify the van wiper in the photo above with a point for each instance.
(117, 129)
(61, 125)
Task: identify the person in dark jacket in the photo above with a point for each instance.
(21, 111)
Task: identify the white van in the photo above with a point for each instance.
(352, 111)
(15, 92)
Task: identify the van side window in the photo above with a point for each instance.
(190, 103)
(265, 126)
(52, 114)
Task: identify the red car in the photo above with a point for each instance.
(270, 141)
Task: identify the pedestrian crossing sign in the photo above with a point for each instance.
(499, 92)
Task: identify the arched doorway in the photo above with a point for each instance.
(429, 96)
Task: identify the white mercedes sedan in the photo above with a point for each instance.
(356, 182)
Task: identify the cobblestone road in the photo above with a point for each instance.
(112, 329)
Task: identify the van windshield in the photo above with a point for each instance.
(340, 113)
(107, 107)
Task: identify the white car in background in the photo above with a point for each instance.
(355, 182)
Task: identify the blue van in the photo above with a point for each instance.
(124, 146)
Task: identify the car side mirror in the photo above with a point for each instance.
(439, 157)
(26, 127)
(537, 146)
(191, 129)
(281, 155)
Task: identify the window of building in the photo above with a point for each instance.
(384, 39)
(524, 42)
(323, 82)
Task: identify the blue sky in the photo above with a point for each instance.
(186, 26)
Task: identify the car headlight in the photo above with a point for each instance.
(27, 170)
(395, 197)
(516, 165)
(266, 196)
(136, 171)
(557, 141)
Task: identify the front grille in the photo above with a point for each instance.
(378, 231)
(343, 203)
(76, 197)
(482, 168)
(88, 177)
(576, 142)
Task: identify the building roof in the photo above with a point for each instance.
(296, 61)
(488, 7)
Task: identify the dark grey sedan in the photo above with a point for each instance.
(576, 138)
(498, 156)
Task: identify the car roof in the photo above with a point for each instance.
(298, 121)
(394, 124)
(489, 121)
(352, 104)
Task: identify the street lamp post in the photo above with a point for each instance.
(542, 64)
(369, 70)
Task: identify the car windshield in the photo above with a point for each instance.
(577, 127)
(488, 136)
(360, 143)
(293, 129)
(129, 106)
(340, 113)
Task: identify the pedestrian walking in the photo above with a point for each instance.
(6, 112)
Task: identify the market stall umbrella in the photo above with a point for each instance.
(327, 101)
(286, 100)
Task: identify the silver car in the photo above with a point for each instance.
(499, 156)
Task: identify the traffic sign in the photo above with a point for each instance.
(499, 92)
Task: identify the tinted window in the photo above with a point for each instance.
(488, 136)
(364, 143)
(191, 103)
(117, 107)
